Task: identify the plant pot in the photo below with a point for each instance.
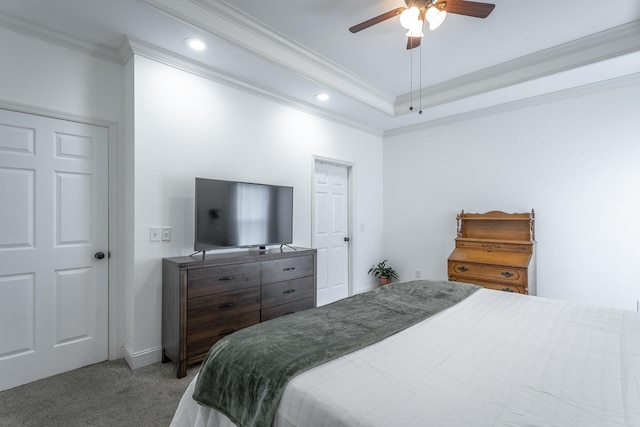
(384, 280)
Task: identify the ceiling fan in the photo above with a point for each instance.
(413, 16)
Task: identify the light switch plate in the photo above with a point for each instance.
(166, 233)
(154, 234)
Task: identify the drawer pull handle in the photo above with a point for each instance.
(288, 269)
(226, 278)
(507, 290)
(507, 274)
(290, 291)
(463, 268)
(227, 305)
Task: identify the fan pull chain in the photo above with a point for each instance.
(411, 81)
(420, 90)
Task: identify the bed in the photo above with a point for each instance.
(490, 359)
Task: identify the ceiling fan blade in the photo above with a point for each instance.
(413, 42)
(368, 23)
(468, 8)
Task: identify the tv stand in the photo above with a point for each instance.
(197, 252)
(205, 300)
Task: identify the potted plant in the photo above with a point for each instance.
(384, 273)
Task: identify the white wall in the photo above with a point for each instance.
(576, 161)
(57, 80)
(188, 126)
(126, 212)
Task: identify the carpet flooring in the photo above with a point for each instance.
(105, 394)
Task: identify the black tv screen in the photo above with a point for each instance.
(241, 214)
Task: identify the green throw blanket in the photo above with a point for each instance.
(245, 373)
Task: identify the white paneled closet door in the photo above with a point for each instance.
(53, 246)
(331, 231)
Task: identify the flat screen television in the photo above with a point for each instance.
(241, 214)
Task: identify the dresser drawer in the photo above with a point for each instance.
(284, 309)
(487, 272)
(287, 269)
(284, 292)
(201, 338)
(211, 308)
(214, 280)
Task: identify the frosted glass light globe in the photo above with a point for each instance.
(408, 17)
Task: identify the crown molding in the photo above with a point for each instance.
(592, 49)
(132, 46)
(37, 32)
(581, 78)
(228, 23)
(532, 101)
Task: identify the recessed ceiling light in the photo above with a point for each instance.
(195, 44)
(322, 96)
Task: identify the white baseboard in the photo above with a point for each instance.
(142, 358)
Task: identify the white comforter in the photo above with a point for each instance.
(495, 359)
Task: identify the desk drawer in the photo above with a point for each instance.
(491, 285)
(284, 292)
(214, 280)
(503, 274)
(474, 245)
(495, 246)
(513, 247)
(287, 269)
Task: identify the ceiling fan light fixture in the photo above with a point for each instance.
(409, 17)
(435, 17)
(416, 31)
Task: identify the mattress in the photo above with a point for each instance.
(494, 359)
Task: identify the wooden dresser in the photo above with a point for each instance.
(495, 250)
(204, 300)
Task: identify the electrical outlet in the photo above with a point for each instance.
(418, 273)
(166, 233)
(154, 234)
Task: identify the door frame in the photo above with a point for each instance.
(114, 345)
(351, 167)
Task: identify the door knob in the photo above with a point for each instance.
(99, 255)
(346, 239)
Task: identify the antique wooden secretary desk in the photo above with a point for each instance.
(495, 250)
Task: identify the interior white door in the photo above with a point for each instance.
(53, 227)
(331, 231)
